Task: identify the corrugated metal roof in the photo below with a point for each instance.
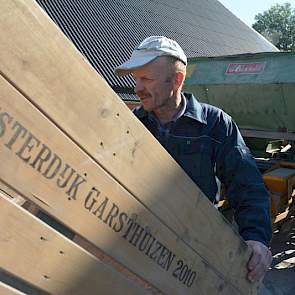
(128, 97)
(106, 31)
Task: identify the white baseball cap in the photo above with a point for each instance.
(148, 50)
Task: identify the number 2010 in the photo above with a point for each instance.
(184, 274)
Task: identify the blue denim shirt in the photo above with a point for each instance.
(207, 144)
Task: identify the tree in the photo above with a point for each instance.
(278, 26)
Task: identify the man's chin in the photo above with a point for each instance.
(146, 106)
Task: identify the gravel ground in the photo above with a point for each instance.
(280, 280)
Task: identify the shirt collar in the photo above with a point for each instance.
(194, 109)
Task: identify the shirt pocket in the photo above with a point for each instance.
(196, 156)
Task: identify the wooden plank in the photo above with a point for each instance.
(4, 195)
(79, 240)
(99, 208)
(7, 290)
(104, 128)
(9, 193)
(33, 251)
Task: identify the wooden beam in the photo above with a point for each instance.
(46, 69)
(101, 210)
(7, 192)
(33, 251)
(7, 290)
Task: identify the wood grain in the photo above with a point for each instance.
(41, 256)
(7, 290)
(81, 104)
(87, 210)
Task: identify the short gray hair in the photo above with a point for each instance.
(175, 64)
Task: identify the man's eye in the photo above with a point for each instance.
(143, 79)
(147, 79)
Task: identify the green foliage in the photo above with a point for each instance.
(278, 26)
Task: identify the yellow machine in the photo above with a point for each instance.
(280, 181)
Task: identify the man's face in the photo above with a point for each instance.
(154, 84)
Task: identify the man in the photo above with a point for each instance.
(202, 139)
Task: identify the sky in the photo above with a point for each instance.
(247, 9)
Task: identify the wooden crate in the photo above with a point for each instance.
(71, 147)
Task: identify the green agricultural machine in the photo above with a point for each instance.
(258, 91)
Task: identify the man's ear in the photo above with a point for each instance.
(179, 79)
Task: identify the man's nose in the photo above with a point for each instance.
(138, 86)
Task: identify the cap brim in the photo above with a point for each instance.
(137, 60)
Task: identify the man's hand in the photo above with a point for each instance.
(259, 262)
